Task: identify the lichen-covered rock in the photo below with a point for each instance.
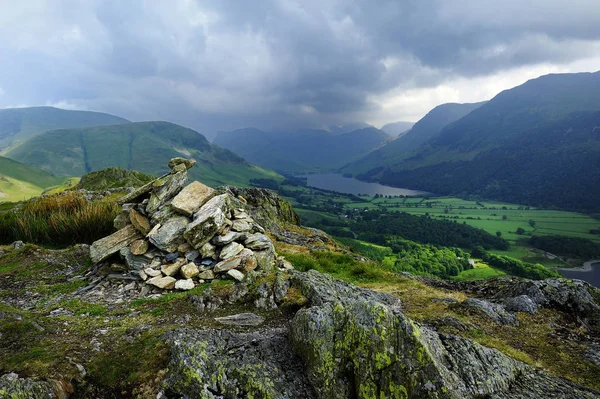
(165, 189)
(187, 163)
(13, 387)
(230, 250)
(107, 246)
(207, 221)
(258, 242)
(191, 198)
(139, 221)
(358, 343)
(139, 247)
(495, 311)
(170, 234)
(241, 319)
(236, 274)
(213, 364)
(265, 259)
(189, 271)
(521, 303)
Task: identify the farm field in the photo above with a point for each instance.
(490, 216)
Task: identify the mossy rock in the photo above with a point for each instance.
(111, 178)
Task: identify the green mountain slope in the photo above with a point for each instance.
(427, 127)
(143, 146)
(537, 144)
(18, 124)
(19, 181)
(304, 150)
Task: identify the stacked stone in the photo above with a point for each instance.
(175, 236)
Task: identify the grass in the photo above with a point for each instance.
(59, 220)
(480, 271)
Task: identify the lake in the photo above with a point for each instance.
(349, 185)
(592, 276)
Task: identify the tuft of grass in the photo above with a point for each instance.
(59, 220)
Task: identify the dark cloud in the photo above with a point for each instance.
(223, 64)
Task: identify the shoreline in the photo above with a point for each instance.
(587, 267)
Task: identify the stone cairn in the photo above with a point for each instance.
(174, 236)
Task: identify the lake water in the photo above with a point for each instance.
(592, 277)
(349, 185)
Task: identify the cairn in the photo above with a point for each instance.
(175, 236)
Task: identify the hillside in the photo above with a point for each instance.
(19, 181)
(427, 127)
(143, 146)
(557, 164)
(535, 144)
(304, 150)
(18, 124)
(397, 129)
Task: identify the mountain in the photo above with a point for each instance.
(397, 129)
(347, 128)
(402, 147)
(18, 124)
(303, 150)
(537, 144)
(143, 146)
(19, 181)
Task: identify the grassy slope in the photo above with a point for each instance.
(143, 146)
(19, 181)
(19, 124)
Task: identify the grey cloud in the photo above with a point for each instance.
(224, 64)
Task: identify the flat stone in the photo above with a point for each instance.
(143, 275)
(121, 220)
(165, 190)
(107, 246)
(236, 274)
(183, 248)
(139, 221)
(224, 239)
(187, 163)
(206, 275)
(190, 270)
(162, 282)
(231, 250)
(207, 221)
(152, 272)
(171, 256)
(251, 263)
(228, 264)
(191, 198)
(240, 214)
(192, 255)
(258, 241)
(139, 247)
(135, 262)
(138, 192)
(241, 225)
(173, 268)
(169, 236)
(208, 251)
(241, 319)
(184, 285)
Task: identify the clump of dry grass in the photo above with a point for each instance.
(59, 220)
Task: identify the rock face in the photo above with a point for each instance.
(179, 249)
(222, 364)
(13, 387)
(492, 310)
(358, 343)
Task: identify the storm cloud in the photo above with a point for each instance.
(276, 64)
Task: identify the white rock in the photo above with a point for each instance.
(236, 274)
(191, 198)
(231, 250)
(184, 285)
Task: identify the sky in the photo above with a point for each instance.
(283, 64)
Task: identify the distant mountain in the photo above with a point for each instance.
(19, 181)
(143, 146)
(302, 151)
(397, 129)
(403, 147)
(19, 124)
(347, 128)
(538, 144)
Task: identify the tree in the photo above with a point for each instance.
(504, 217)
(520, 231)
(532, 223)
(499, 234)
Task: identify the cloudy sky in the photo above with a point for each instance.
(223, 64)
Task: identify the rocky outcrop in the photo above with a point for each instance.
(357, 345)
(215, 364)
(174, 236)
(13, 387)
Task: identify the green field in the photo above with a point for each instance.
(490, 216)
(481, 271)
